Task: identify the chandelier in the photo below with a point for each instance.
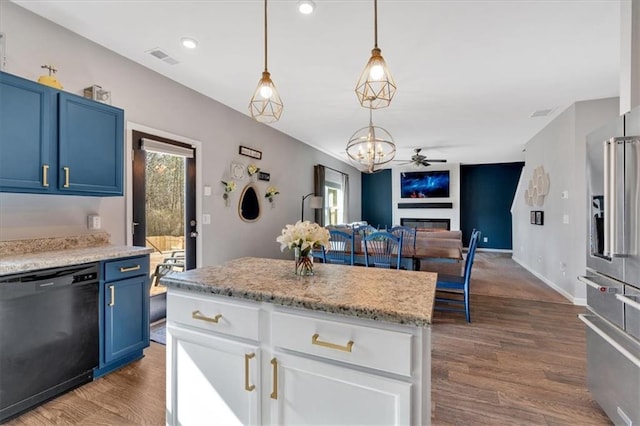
(265, 105)
(371, 147)
(375, 85)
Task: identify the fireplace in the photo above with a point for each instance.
(427, 223)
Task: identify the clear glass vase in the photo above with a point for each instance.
(304, 262)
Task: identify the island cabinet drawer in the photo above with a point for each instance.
(127, 268)
(371, 347)
(235, 319)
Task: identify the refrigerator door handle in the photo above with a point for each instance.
(607, 198)
(629, 302)
(609, 340)
(614, 229)
(600, 288)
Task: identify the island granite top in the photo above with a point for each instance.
(403, 297)
(51, 259)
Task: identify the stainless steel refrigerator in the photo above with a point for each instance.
(613, 268)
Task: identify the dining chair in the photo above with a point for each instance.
(458, 285)
(382, 250)
(408, 236)
(340, 249)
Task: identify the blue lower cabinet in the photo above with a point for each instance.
(124, 311)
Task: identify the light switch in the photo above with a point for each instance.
(564, 195)
(94, 222)
(565, 219)
(206, 219)
(207, 191)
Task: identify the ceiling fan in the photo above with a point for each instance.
(419, 160)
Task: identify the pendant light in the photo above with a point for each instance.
(265, 105)
(376, 86)
(371, 147)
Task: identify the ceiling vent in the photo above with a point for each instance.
(162, 55)
(541, 113)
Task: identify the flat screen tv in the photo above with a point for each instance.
(429, 184)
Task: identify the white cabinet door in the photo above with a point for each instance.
(317, 393)
(211, 380)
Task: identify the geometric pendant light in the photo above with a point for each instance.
(265, 105)
(376, 87)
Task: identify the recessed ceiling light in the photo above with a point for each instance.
(189, 43)
(306, 6)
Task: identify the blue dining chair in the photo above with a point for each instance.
(458, 285)
(383, 250)
(340, 249)
(408, 236)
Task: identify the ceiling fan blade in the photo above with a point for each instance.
(437, 161)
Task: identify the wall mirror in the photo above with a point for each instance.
(249, 204)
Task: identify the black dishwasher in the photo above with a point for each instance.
(48, 335)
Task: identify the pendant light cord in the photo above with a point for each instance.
(375, 23)
(265, 35)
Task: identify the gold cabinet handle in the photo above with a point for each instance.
(129, 269)
(346, 348)
(198, 315)
(45, 173)
(274, 363)
(113, 295)
(247, 386)
(66, 177)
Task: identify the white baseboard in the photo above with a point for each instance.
(579, 301)
(492, 250)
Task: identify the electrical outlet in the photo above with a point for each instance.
(485, 240)
(94, 222)
(206, 219)
(565, 219)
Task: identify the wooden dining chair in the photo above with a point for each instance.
(408, 236)
(340, 249)
(458, 286)
(382, 250)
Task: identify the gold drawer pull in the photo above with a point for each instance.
(113, 295)
(129, 269)
(45, 173)
(198, 315)
(274, 363)
(346, 348)
(247, 386)
(66, 177)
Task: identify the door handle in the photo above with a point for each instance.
(584, 318)
(247, 386)
(628, 301)
(66, 176)
(274, 393)
(193, 234)
(112, 289)
(45, 177)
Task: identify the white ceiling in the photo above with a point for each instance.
(469, 73)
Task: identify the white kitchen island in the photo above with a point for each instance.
(249, 342)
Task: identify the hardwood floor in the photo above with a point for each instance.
(520, 361)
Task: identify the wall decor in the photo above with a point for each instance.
(250, 152)
(264, 176)
(237, 171)
(538, 187)
(249, 205)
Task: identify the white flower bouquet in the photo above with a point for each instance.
(302, 238)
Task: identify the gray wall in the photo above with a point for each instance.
(154, 101)
(555, 252)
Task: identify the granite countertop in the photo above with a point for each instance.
(403, 297)
(30, 255)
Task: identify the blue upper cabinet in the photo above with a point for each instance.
(27, 135)
(57, 143)
(90, 146)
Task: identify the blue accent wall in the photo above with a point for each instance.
(377, 199)
(486, 195)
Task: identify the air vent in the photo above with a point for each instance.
(162, 55)
(541, 113)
